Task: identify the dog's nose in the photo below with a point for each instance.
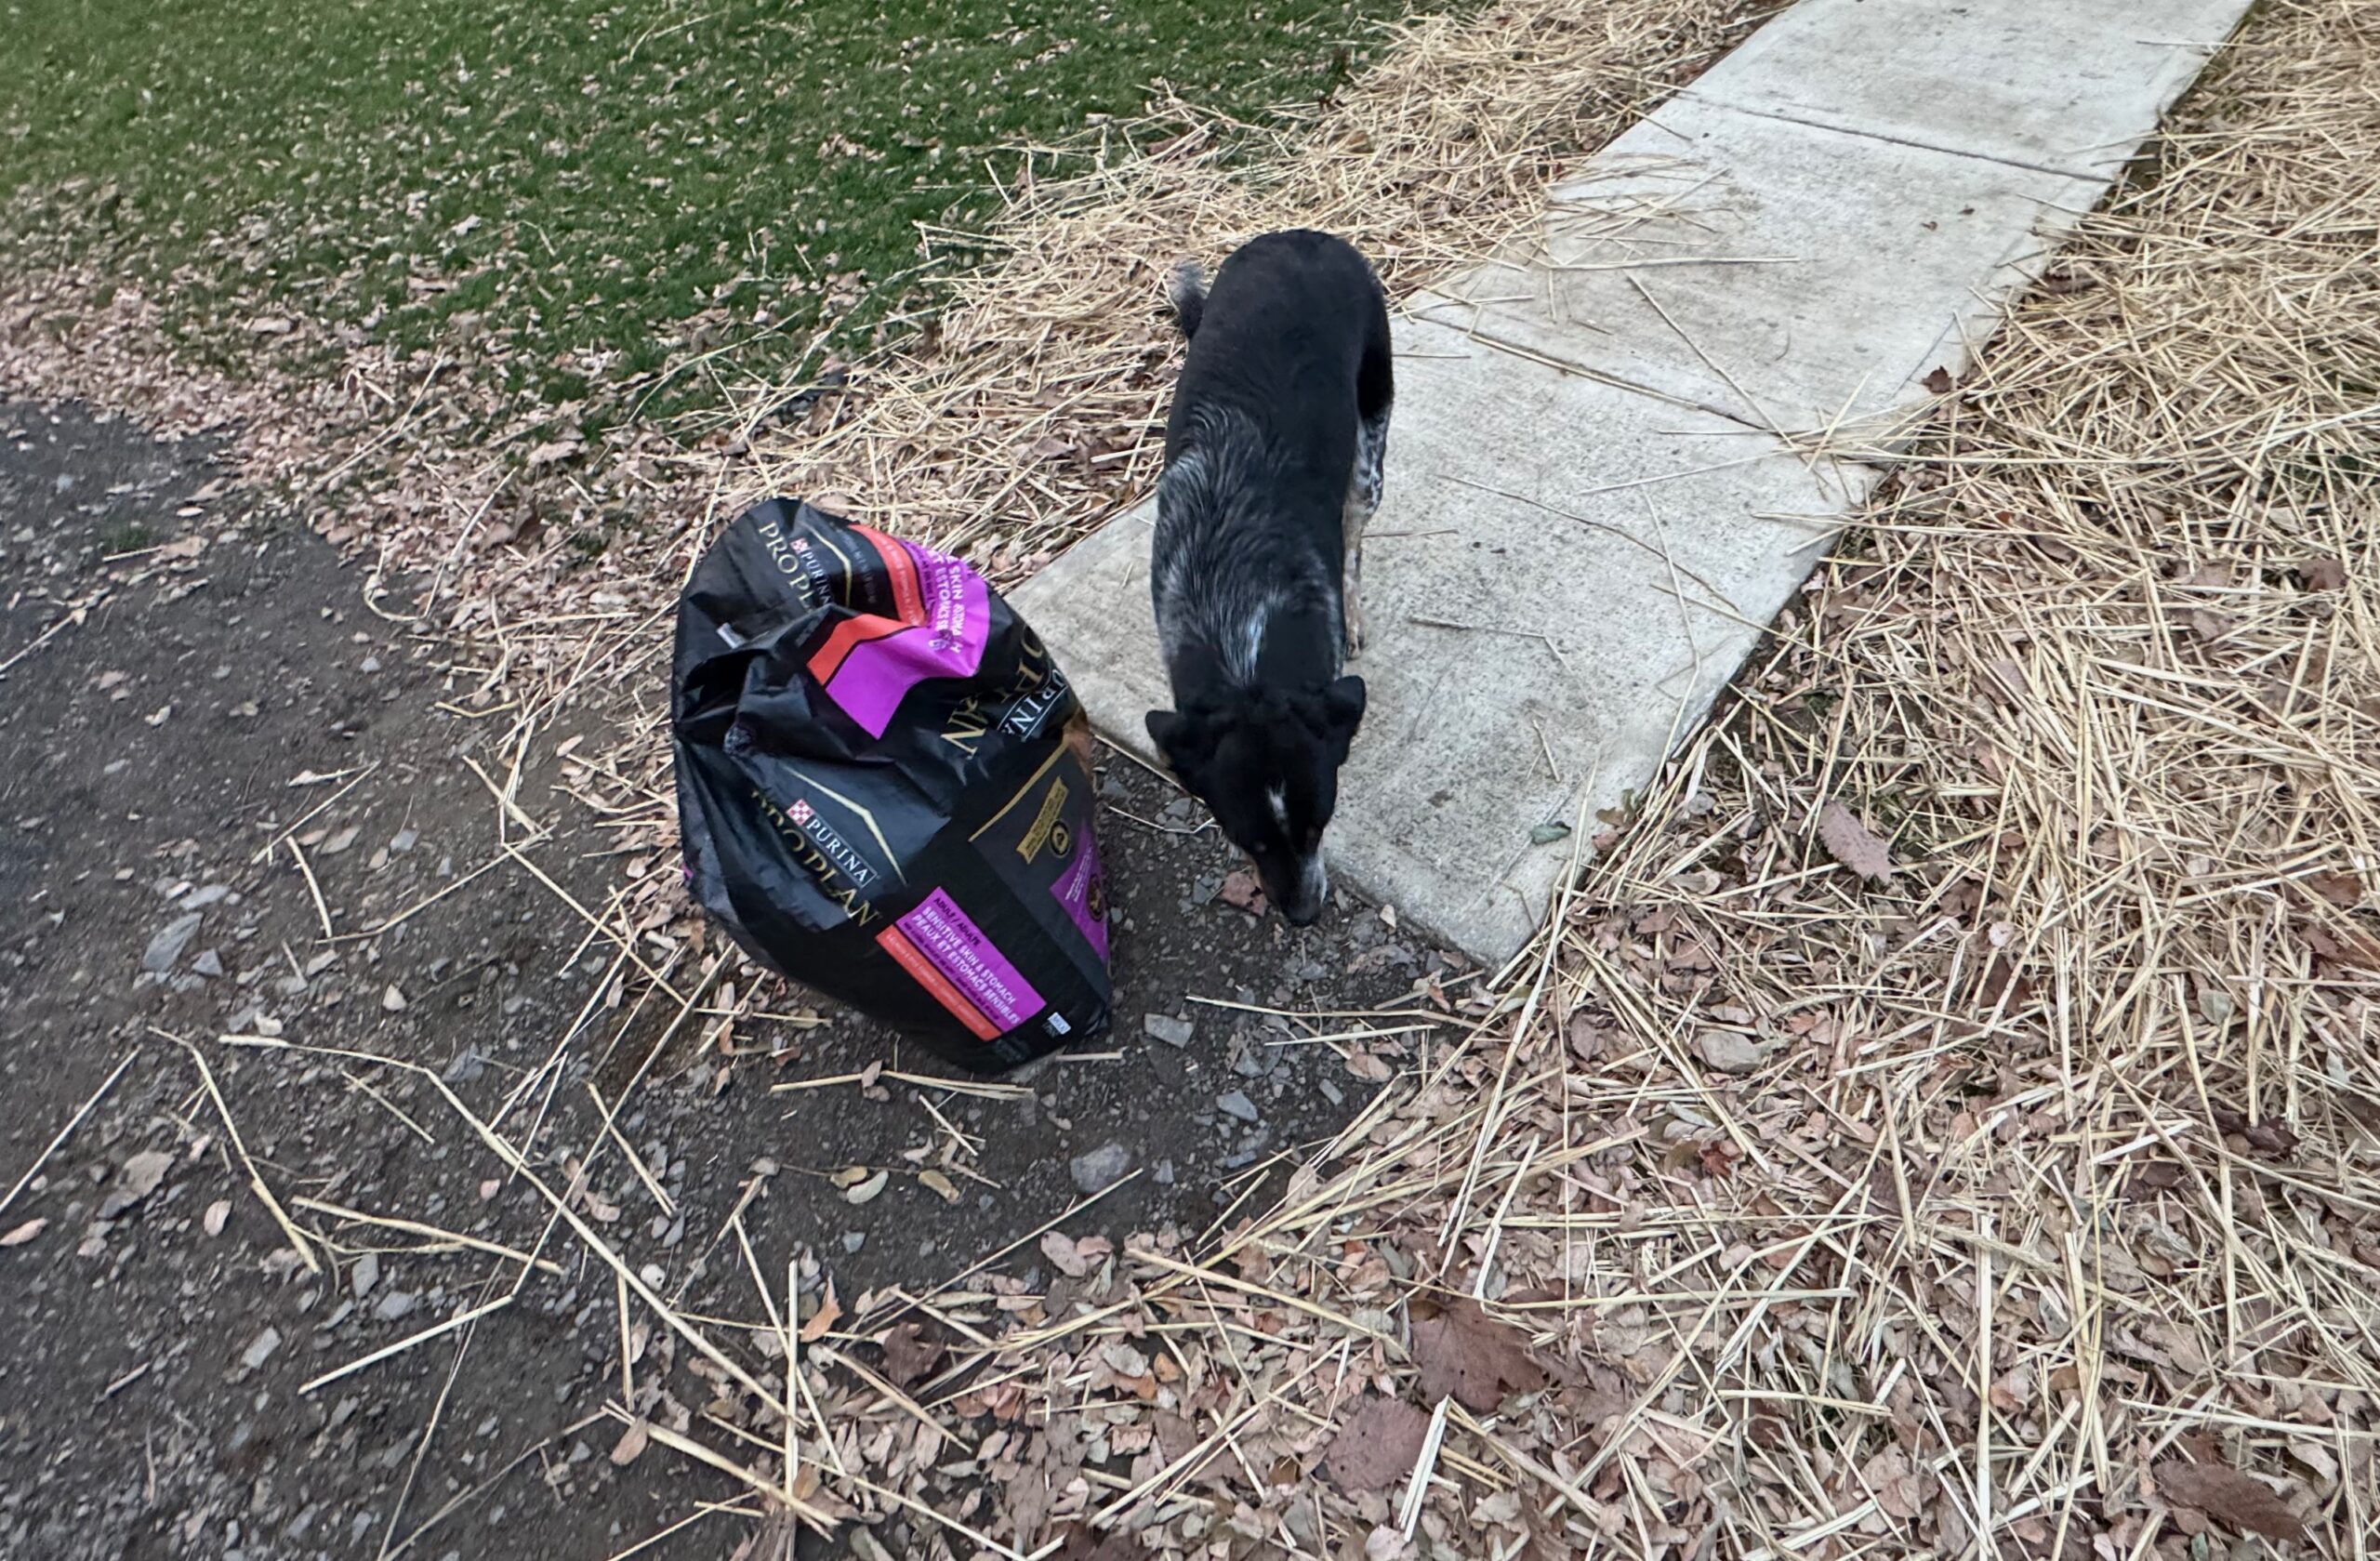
(1302, 916)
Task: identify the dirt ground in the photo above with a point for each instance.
(228, 687)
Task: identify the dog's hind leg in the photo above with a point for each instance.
(1375, 397)
(1363, 501)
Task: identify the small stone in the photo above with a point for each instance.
(1100, 1169)
(365, 1275)
(404, 840)
(167, 945)
(392, 999)
(1173, 1031)
(199, 899)
(393, 1306)
(854, 1239)
(142, 1175)
(1165, 1173)
(467, 1064)
(1237, 1104)
(262, 1350)
(1330, 1091)
(209, 964)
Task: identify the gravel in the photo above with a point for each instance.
(1100, 1169)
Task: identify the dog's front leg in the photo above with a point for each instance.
(1351, 606)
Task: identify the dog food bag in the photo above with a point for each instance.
(884, 786)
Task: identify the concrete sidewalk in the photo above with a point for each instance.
(1590, 518)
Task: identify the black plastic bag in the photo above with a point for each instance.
(884, 786)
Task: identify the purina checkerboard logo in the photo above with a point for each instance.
(802, 813)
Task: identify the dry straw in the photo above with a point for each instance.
(2045, 1222)
(2022, 1203)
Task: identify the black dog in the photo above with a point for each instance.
(1272, 460)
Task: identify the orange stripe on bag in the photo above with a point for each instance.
(896, 943)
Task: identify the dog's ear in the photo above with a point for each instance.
(1183, 741)
(1343, 711)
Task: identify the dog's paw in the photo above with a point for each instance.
(1354, 635)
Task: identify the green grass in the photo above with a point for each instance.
(570, 185)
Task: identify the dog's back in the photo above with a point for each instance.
(1273, 452)
(1261, 441)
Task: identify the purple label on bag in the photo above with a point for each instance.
(1083, 894)
(957, 949)
(870, 663)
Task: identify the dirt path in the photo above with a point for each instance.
(228, 687)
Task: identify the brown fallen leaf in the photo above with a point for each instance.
(2274, 1138)
(2343, 889)
(1377, 1446)
(1853, 843)
(909, 1356)
(830, 1311)
(1242, 891)
(631, 1446)
(1467, 1355)
(2323, 574)
(1059, 1248)
(2228, 1496)
(1940, 382)
(1730, 1051)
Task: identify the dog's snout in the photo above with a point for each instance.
(1301, 899)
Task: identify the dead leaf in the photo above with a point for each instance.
(2228, 1496)
(555, 450)
(868, 1189)
(1066, 1255)
(2323, 574)
(1853, 844)
(1940, 382)
(2274, 1138)
(24, 1233)
(2343, 889)
(1242, 891)
(2209, 624)
(942, 1187)
(631, 1446)
(1730, 1051)
(1379, 1445)
(830, 1311)
(909, 1356)
(1466, 1353)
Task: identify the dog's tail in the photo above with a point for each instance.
(1186, 291)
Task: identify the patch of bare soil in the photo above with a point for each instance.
(266, 1290)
